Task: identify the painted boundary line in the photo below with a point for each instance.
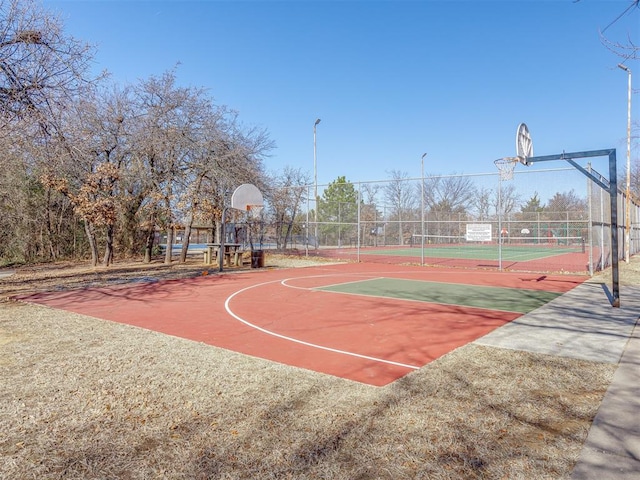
(301, 342)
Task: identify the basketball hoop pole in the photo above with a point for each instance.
(524, 151)
(610, 186)
(222, 235)
(505, 166)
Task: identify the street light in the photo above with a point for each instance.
(315, 184)
(422, 206)
(627, 210)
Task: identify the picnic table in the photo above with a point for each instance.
(232, 251)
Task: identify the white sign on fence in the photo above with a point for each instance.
(478, 232)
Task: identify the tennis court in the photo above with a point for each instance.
(546, 257)
(363, 322)
(518, 252)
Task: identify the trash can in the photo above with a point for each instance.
(257, 258)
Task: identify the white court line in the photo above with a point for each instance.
(301, 342)
(367, 277)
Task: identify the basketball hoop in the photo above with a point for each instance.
(254, 210)
(506, 166)
(247, 197)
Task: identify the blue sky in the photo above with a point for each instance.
(390, 80)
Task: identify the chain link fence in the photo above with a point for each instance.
(546, 220)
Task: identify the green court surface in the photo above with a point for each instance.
(493, 298)
(482, 252)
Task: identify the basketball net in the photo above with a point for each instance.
(506, 166)
(254, 210)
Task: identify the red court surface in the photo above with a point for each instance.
(279, 316)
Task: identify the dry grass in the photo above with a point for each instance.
(85, 398)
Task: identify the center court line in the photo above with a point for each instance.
(301, 342)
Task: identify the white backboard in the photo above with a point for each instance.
(247, 197)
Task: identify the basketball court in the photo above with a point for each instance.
(366, 322)
(363, 322)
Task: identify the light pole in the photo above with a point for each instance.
(422, 206)
(315, 184)
(627, 209)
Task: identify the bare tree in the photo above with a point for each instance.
(508, 199)
(40, 67)
(369, 213)
(627, 49)
(224, 155)
(449, 200)
(87, 160)
(401, 197)
(41, 70)
(194, 153)
(35, 222)
(164, 139)
(483, 202)
(285, 200)
(236, 156)
(130, 160)
(566, 203)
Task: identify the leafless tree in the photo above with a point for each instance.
(456, 190)
(35, 222)
(40, 66)
(508, 199)
(236, 155)
(627, 49)
(369, 213)
(168, 117)
(120, 160)
(286, 196)
(566, 203)
(224, 155)
(483, 202)
(41, 70)
(449, 199)
(400, 196)
(88, 160)
(635, 180)
(194, 153)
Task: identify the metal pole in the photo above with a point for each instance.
(422, 207)
(339, 225)
(358, 236)
(590, 214)
(602, 230)
(613, 200)
(315, 184)
(500, 222)
(627, 207)
(627, 240)
(306, 228)
(222, 234)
